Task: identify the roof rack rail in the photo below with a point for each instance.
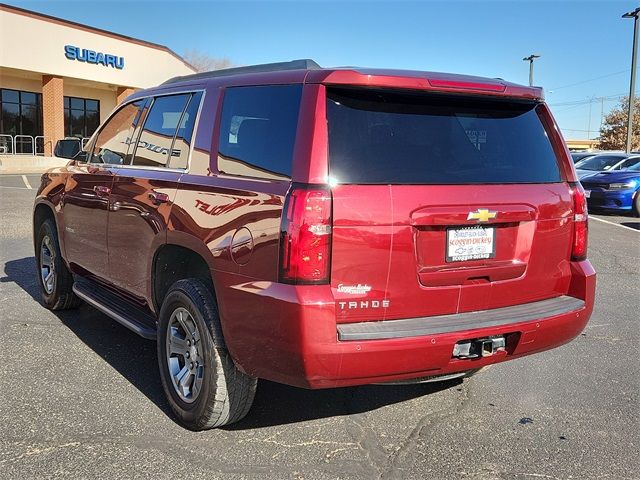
(303, 64)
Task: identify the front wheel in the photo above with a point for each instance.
(204, 387)
(636, 204)
(55, 279)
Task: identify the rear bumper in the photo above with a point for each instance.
(294, 338)
(461, 322)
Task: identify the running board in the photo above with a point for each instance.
(134, 318)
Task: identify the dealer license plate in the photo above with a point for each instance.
(471, 243)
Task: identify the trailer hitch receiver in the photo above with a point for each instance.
(479, 347)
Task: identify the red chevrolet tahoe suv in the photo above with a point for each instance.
(321, 228)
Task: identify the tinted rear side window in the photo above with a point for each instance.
(385, 137)
(258, 131)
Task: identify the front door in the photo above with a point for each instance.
(85, 203)
(84, 208)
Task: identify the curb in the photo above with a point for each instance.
(18, 164)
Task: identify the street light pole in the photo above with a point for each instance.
(635, 14)
(530, 59)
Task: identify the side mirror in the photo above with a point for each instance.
(67, 148)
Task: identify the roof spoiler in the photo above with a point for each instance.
(303, 64)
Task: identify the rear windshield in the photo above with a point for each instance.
(387, 137)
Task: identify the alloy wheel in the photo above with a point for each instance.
(47, 266)
(184, 355)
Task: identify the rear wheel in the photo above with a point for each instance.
(204, 387)
(55, 279)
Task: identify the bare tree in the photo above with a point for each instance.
(204, 62)
(613, 134)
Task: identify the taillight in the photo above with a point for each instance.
(580, 222)
(305, 236)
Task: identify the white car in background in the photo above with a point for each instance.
(603, 162)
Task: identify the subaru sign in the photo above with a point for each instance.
(89, 56)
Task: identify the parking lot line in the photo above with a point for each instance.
(614, 224)
(26, 182)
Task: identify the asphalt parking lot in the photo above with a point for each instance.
(80, 396)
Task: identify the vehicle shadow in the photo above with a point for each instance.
(634, 225)
(275, 404)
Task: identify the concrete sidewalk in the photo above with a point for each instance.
(29, 163)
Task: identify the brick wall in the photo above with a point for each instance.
(123, 93)
(52, 111)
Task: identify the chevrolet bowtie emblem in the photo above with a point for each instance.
(481, 215)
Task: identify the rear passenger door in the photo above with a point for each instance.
(144, 189)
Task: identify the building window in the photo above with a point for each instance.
(21, 115)
(81, 116)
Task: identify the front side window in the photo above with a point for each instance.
(258, 131)
(114, 138)
(160, 126)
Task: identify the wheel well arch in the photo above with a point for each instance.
(42, 212)
(172, 263)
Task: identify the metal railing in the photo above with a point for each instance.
(6, 144)
(27, 144)
(39, 144)
(19, 142)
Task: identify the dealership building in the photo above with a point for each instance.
(61, 79)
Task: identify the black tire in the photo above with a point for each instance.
(636, 204)
(225, 394)
(57, 295)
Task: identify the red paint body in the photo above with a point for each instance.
(390, 237)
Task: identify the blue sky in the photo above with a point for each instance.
(585, 45)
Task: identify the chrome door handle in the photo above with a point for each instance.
(158, 197)
(115, 206)
(101, 190)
